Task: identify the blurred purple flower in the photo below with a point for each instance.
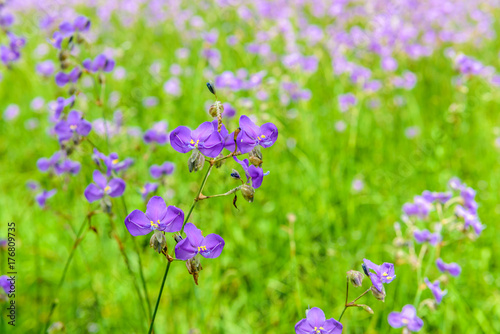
(5, 284)
(165, 169)
(436, 196)
(420, 207)
(406, 318)
(112, 162)
(100, 63)
(346, 101)
(95, 191)
(209, 247)
(45, 68)
(172, 86)
(42, 197)
(148, 189)
(11, 112)
(427, 236)
(253, 173)
(436, 291)
(74, 125)
(158, 134)
(63, 78)
(453, 268)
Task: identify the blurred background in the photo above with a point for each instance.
(375, 102)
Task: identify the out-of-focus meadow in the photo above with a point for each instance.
(424, 108)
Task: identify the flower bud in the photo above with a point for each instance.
(211, 88)
(218, 164)
(256, 153)
(255, 161)
(158, 241)
(196, 161)
(380, 295)
(366, 308)
(101, 78)
(106, 205)
(194, 267)
(235, 174)
(63, 55)
(365, 270)
(65, 64)
(216, 109)
(247, 191)
(355, 277)
(177, 238)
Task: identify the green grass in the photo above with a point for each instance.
(270, 270)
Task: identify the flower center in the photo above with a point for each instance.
(72, 127)
(386, 275)
(114, 162)
(193, 143)
(318, 330)
(404, 321)
(155, 225)
(106, 190)
(261, 137)
(202, 248)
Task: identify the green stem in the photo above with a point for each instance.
(78, 239)
(169, 262)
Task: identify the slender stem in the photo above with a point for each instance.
(361, 295)
(346, 298)
(196, 199)
(232, 191)
(78, 239)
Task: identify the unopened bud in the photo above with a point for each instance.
(218, 164)
(65, 64)
(177, 238)
(380, 295)
(106, 204)
(211, 88)
(365, 270)
(255, 161)
(158, 241)
(235, 174)
(101, 78)
(366, 308)
(355, 277)
(196, 161)
(256, 153)
(194, 267)
(63, 55)
(247, 191)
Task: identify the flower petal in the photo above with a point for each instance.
(303, 327)
(180, 139)
(316, 317)
(203, 131)
(184, 250)
(93, 193)
(99, 179)
(137, 223)
(270, 131)
(249, 127)
(116, 187)
(214, 245)
(193, 234)
(395, 319)
(156, 209)
(173, 220)
(83, 127)
(332, 326)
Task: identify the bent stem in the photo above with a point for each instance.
(353, 303)
(196, 199)
(232, 191)
(79, 238)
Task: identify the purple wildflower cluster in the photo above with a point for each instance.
(11, 52)
(453, 213)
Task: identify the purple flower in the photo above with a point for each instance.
(436, 196)
(382, 274)
(406, 318)
(158, 171)
(42, 197)
(420, 207)
(112, 162)
(157, 217)
(210, 246)
(74, 125)
(316, 323)
(95, 191)
(436, 291)
(5, 284)
(205, 138)
(80, 24)
(6, 20)
(67, 166)
(346, 101)
(173, 87)
(252, 172)
(148, 189)
(229, 110)
(44, 164)
(64, 78)
(252, 135)
(100, 63)
(45, 68)
(58, 106)
(453, 268)
(11, 112)
(456, 184)
(157, 134)
(427, 236)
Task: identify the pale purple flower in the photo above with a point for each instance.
(420, 207)
(347, 101)
(357, 185)
(389, 64)
(316, 323)
(427, 236)
(45, 68)
(5, 283)
(72, 126)
(150, 101)
(112, 162)
(229, 110)
(11, 112)
(148, 189)
(95, 191)
(436, 196)
(63, 78)
(100, 63)
(412, 131)
(209, 247)
(173, 86)
(205, 138)
(157, 134)
(37, 103)
(381, 274)
(44, 164)
(165, 169)
(42, 197)
(57, 107)
(453, 268)
(406, 318)
(157, 217)
(436, 291)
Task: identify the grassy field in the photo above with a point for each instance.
(307, 226)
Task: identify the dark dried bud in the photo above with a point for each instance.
(211, 88)
(235, 174)
(72, 90)
(255, 157)
(79, 39)
(177, 238)
(158, 241)
(196, 161)
(366, 308)
(355, 277)
(65, 64)
(101, 78)
(218, 164)
(247, 191)
(63, 55)
(380, 295)
(194, 267)
(365, 270)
